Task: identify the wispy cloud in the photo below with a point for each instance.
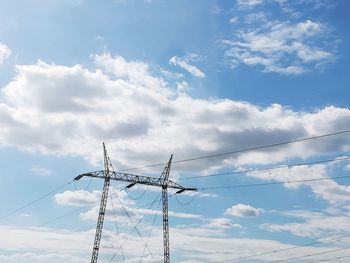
(41, 171)
(292, 46)
(184, 64)
(329, 190)
(5, 52)
(249, 3)
(312, 224)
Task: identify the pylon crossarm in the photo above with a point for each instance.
(135, 179)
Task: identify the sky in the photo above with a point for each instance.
(152, 78)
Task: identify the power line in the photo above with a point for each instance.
(35, 200)
(116, 224)
(150, 232)
(310, 255)
(137, 231)
(332, 259)
(135, 227)
(267, 168)
(241, 150)
(286, 249)
(73, 211)
(64, 215)
(274, 183)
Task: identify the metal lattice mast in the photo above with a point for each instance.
(109, 174)
(108, 168)
(165, 178)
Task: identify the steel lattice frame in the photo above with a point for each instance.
(109, 174)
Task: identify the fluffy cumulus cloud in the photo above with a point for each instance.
(242, 210)
(292, 46)
(70, 110)
(5, 52)
(77, 198)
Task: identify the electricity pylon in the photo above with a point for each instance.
(109, 174)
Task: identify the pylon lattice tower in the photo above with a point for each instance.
(109, 174)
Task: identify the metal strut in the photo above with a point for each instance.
(165, 178)
(109, 174)
(108, 167)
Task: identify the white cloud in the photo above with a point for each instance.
(77, 198)
(183, 63)
(191, 243)
(281, 47)
(24, 215)
(30, 239)
(222, 223)
(234, 20)
(41, 171)
(249, 3)
(33, 257)
(61, 110)
(242, 210)
(296, 44)
(120, 211)
(5, 52)
(182, 86)
(313, 224)
(328, 190)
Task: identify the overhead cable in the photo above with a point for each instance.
(311, 255)
(286, 249)
(268, 168)
(35, 200)
(273, 183)
(241, 150)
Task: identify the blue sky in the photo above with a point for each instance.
(192, 78)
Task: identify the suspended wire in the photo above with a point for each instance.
(140, 196)
(84, 227)
(274, 183)
(150, 232)
(120, 247)
(310, 255)
(185, 204)
(241, 150)
(138, 232)
(35, 200)
(70, 213)
(331, 259)
(286, 249)
(136, 225)
(87, 186)
(63, 216)
(116, 224)
(81, 208)
(268, 168)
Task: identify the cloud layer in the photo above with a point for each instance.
(62, 110)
